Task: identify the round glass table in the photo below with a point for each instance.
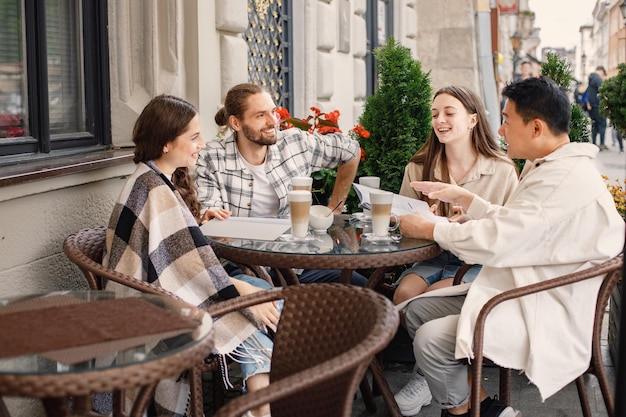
(72, 344)
(347, 245)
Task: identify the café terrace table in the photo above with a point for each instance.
(68, 345)
(344, 247)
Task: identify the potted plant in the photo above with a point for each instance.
(397, 115)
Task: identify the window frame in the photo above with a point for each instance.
(372, 17)
(40, 145)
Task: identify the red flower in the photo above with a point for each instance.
(282, 113)
(322, 123)
(324, 130)
(333, 116)
(361, 132)
(11, 126)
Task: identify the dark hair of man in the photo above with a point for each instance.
(163, 119)
(540, 98)
(235, 103)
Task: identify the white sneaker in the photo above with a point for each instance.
(413, 396)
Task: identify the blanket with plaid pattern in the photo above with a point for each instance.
(153, 237)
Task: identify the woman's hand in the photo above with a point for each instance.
(266, 312)
(220, 214)
(458, 215)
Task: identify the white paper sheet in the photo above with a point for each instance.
(401, 204)
(259, 228)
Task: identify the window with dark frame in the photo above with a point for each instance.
(379, 21)
(269, 38)
(54, 80)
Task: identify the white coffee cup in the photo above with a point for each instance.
(302, 183)
(299, 206)
(372, 182)
(381, 202)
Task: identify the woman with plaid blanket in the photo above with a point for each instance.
(154, 236)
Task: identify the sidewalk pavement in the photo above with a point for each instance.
(524, 396)
(612, 163)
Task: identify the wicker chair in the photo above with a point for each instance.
(327, 337)
(85, 248)
(612, 269)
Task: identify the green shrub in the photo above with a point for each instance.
(613, 101)
(397, 115)
(559, 70)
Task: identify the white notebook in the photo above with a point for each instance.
(259, 228)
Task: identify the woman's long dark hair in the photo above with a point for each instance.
(163, 119)
(483, 141)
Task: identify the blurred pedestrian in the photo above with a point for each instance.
(598, 122)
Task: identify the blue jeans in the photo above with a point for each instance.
(598, 125)
(308, 276)
(440, 267)
(254, 353)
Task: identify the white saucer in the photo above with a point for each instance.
(362, 217)
(370, 238)
(291, 238)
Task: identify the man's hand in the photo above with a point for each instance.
(416, 226)
(345, 176)
(447, 193)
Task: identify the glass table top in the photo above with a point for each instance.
(349, 235)
(74, 331)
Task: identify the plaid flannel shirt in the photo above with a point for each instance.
(223, 181)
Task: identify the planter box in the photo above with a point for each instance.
(615, 315)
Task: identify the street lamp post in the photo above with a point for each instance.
(516, 43)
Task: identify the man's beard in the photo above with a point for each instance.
(257, 136)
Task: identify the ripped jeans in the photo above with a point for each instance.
(254, 354)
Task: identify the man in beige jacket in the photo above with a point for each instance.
(560, 219)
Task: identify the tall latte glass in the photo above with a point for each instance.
(381, 212)
(299, 205)
(302, 183)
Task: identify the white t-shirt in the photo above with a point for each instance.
(265, 201)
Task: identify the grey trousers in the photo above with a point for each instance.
(431, 323)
